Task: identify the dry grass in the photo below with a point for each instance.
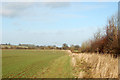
(95, 66)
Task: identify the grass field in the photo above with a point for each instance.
(36, 64)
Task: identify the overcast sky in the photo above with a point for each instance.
(53, 23)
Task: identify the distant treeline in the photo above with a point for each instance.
(105, 40)
(30, 46)
(27, 46)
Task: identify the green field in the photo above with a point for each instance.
(36, 64)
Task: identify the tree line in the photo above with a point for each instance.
(105, 40)
(31, 46)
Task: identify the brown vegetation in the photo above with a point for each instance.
(105, 41)
(95, 66)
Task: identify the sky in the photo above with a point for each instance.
(53, 23)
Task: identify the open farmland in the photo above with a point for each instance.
(36, 64)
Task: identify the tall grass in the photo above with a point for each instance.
(96, 66)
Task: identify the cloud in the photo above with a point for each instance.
(57, 4)
(13, 9)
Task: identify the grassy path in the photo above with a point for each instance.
(60, 68)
